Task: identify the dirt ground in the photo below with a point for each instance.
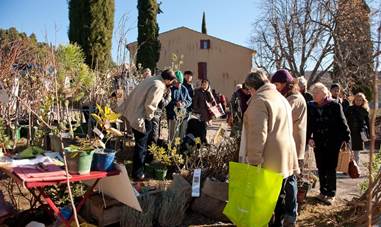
(312, 212)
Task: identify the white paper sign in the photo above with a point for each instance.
(99, 133)
(196, 183)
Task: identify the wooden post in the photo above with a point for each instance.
(373, 134)
(29, 127)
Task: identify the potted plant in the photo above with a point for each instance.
(79, 158)
(104, 157)
(163, 158)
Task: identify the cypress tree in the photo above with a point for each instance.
(79, 26)
(101, 28)
(148, 32)
(203, 26)
(91, 27)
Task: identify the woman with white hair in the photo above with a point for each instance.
(327, 129)
(303, 89)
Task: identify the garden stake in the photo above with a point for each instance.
(29, 127)
(68, 184)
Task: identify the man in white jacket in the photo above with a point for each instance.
(139, 109)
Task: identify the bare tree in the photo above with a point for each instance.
(353, 59)
(295, 34)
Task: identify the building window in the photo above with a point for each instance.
(202, 71)
(205, 44)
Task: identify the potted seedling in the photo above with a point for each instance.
(164, 157)
(104, 157)
(79, 158)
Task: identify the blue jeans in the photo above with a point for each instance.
(287, 206)
(141, 140)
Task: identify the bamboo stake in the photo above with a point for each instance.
(68, 184)
(62, 150)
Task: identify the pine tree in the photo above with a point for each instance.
(91, 27)
(203, 26)
(148, 32)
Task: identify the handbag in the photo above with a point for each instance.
(353, 168)
(252, 195)
(345, 156)
(364, 135)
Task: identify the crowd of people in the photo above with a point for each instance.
(275, 118)
(187, 111)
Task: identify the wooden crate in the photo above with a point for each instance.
(103, 213)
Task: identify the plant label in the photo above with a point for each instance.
(99, 133)
(196, 183)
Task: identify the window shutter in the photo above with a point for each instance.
(202, 70)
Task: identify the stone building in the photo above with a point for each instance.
(223, 63)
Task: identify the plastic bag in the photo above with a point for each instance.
(253, 194)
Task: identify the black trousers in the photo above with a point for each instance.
(326, 162)
(327, 179)
(154, 135)
(141, 140)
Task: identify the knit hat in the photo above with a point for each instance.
(282, 76)
(179, 76)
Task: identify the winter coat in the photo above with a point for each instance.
(267, 132)
(328, 127)
(190, 92)
(358, 121)
(142, 102)
(307, 96)
(178, 95)
(299, 120)
(163, 103)
(199, 103)
(344, 103)
(238, 103)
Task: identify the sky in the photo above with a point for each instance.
(48, 19)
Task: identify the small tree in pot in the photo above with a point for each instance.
(103, 158)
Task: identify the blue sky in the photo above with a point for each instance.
(48, 19)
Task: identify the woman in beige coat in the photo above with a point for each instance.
(267, 140)
(288, 87)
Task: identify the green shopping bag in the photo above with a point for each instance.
(253, 194)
